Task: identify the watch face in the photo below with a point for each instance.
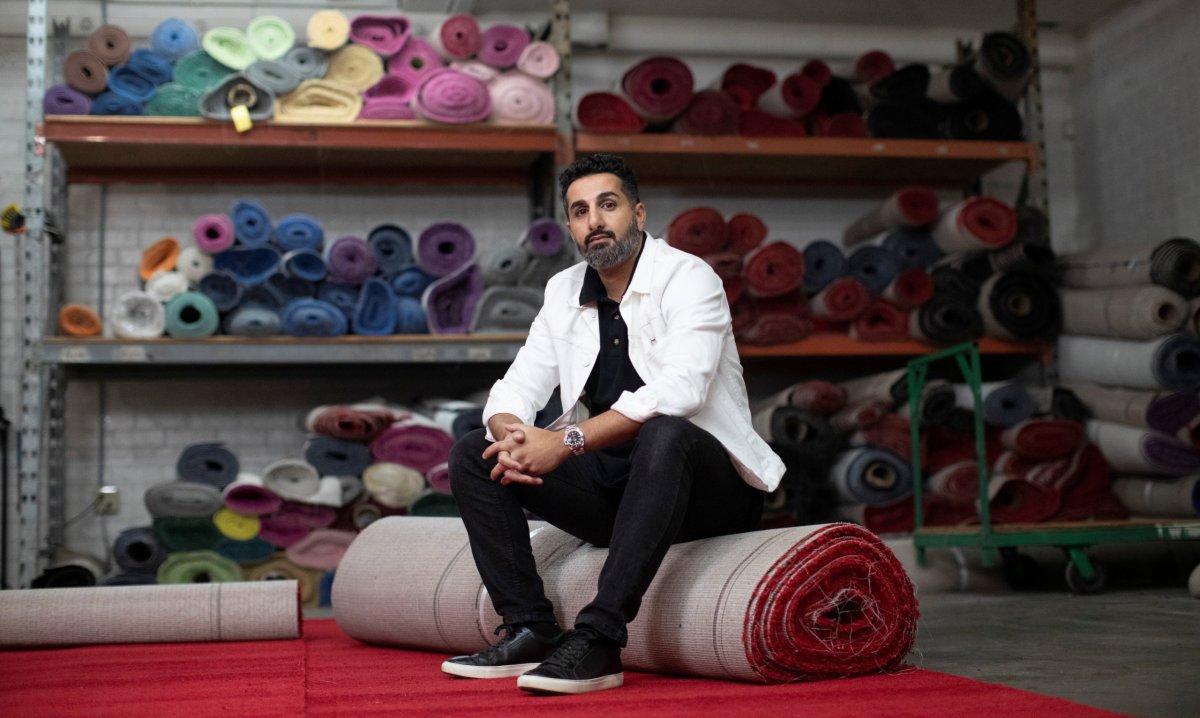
(574, 439)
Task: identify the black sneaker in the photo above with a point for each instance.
(520, 650)
(585, 661)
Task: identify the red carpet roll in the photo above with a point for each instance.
(975, 223)
(728, 267)
(777, 320)
(746, 232)
(911, 288)
(658, 88)
(819, 71)
(746, 83)
(956, 483)
(841, 300)
(606, 112)
(1044, 438)
(756, 123)
(700, 231)
(815, 395)
(860, 414)
(773, 269)
(881, 321)
(78, 320)
(711, 112)
(413, 445)
(355, 423)
(843, 124)
(911, 206)
(873, 66)
(797, 95)
(458, 36)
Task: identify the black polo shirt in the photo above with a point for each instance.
(612, 373)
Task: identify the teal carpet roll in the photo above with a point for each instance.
(191, 315)
(178, 534)
(174, 100)
(200, 72)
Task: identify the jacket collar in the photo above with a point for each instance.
(643, 272)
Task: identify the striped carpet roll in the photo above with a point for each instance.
(1173, 498)
(1173, 263)
(911, 206)
(810, 602)
(1123, 313)
(150, 614)
(1169, 362)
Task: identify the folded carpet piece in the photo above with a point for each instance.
(841, 300)
(658, 88)
(413, 445)
(457, 36)
(182, 500)
(78, 320)
(137, 315)
(881, 321)
(1174, 264)
(1165, 412)
(386, 35)
(746, 83)
(275, 75)
(1170, 362)
(518, 99)
(1004, 403)
(1043, 438)
(823, 263)
(815, 575)
(174, 100)
(150, 614)
(975, 223)
(447, 95)
(173, 38)
(1172, 498)
(199, 71)
(308, 63)
(230, 47)
(63, 100)
(375, 312)
(1005, 63)
(700, 231)
(754, 122)
(415, 62)
(911, 206)
(207, 463)
(711, 112)
(1122, 313)
(607, 112)
(86, 72)
(319, 101)
(237, 90)
(137, 550)
(944, 320)
(1134, 450)
(501, 45)
(444, 247)
(111, 44)
(393, 485)
(910, 288)
(249, 496)
(795, 96)
(504, 310)
(336, 457)
(874, 266)
(191, 315)
(539, 59)
(327, 29)
(774, 269)
(914, 246)
(313, 318)
(1020, 303)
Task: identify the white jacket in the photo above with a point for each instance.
(680, 342)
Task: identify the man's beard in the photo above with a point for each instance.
(615, 252)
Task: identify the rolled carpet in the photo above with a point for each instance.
(444, 247)
(501, 45)
(249, 496)
(797, 95)
(351, 260)
(756, 123)
(79, 320)
(270, 37)
(711, 112)
(502, 310)
(773, 269)
(322, 549)
(777, 320)
(1165, 412)
(417, 60)
(342, 296)
(393, 248)
(746, 232)
(137, 550)
(975, 223)
(457, 36)
(503, 265)
(355, 67)
(1174, 264)
(1020, 303)
(173, 38)
(543, 237)
(433, 503)
(1004, 403)
(386, 108)
(336, 457)
(824, 262)
(243, 552)
(234, 91)
(1005, 63)
(292, 479)
(936, 406)
(1170, 362)
(1134, 450)
(1122, 313)
(150, 614)
(914, 246)
(275, 75)
(416, 446)
(319, 101)
(944, 320)
(186, 534)
(700, 231)
(952, 282)
(236, 526)
(745, 83)
(313, 318)
(658, 88)
(85, 72)
(539, 59)
(871, 475)
(438, 479)
(987, 116)
(872, 66)
(327, 29)
(304, 582)
(816, 395)
(193, 264)
(890, 386)
(911, 206)
(874, 266)
(393, 485)
(810, 602)
(480, 71)
(113, 104)
(910, 288)
(174, 100)
(64, 100)
(1173, 498)
(881, 321)
(150, 65)
(356, 423)
(375, 312)
(304, 264)
(182, 500)
(299, 231)
(1043, 438)
(230, 47)
(253, 321)
(191, 315)
(198, 567)
(542, 267)
(907, 83)
(518, 99)
(137, 315)
(207, 463)
(605, 112)
(447, 95)
(841, 300)
(309, 63)
(199, 71)
(111, 44)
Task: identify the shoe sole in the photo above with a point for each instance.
(465, 671)
(544, 684)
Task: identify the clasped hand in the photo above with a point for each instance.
(525, 454)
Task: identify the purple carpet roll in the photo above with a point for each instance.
(449, 303)
(444, 247)
(417, 60)
(501, 45)
(384, 35)
(543, 237)
(387, 108)
(64, 100)
(450, 96)
(213, 233)
(351, 260)
(395, 87)
(416, 446)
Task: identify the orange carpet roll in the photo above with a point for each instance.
(159, 257)
(78, 320)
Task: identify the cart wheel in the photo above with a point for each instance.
(1020, 570)
(1080, 585)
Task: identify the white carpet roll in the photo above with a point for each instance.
(884, 386)
(1170, 498)
(150, 614)
(1129, 313)
(1169, 362)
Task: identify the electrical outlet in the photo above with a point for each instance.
(108, 501)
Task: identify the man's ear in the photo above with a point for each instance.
(640, 213)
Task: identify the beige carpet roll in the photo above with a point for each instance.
(150, 614)
(1165, 411)
(318, 102)
(294, 479)
(328, 29)
(1168, 362)
(1173, 263)
(306, 583)
(767, 606)
(1169, 498)
(393, 485)
(911, 206)
(355, 66)
(1130, 313)
(887, 386)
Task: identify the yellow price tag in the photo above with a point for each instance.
(240, 114)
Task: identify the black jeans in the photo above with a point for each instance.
(682, 486)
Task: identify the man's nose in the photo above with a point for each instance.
(595, 219)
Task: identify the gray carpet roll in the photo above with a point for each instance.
(871, 475)
(1134, 450)
(1169, 498)
(506, 310)
(889, 386)
(1005, 403)
(502, 266)
(1169, 362)
(1174, 264)
(1130, 313)
(150, 614)
(182, 499)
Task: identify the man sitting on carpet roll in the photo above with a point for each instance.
(640, 334)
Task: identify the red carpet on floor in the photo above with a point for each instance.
(328, 674)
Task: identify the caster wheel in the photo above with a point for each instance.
(1020, 571)
(1080, 585)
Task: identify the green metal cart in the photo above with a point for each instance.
(1083, 573)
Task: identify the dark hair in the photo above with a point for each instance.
(600, 164)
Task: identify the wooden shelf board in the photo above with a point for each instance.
(157, 149)
(841, 345)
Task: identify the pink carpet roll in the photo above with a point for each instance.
(450, 96)
(501, 45)
(213, 233)
(413, 445)
(458, 36)
(322, 549)
(700, 231)
(387, 108)
(711, 112)
(975, 223)
(386, 35)
(394, 88)
(608, 113)
(746, 83)
(354, 423)
(658, 88)
(518, 99)
(539, 59)
(773, 269)
(416, 61)
(841, 300)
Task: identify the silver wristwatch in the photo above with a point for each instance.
(573, 439)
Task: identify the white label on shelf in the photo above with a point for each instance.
(479, 353)
(425, 354)
(133, 353)
(75, 354)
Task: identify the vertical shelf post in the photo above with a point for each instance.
(1035, 123)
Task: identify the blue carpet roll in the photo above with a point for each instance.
(251, 224)
(410, 316)
(506, 309)
(350, 260)
(445, 247)
(313, 318)
(1005, 403)
(150, 65)
(137, 550)
(253, 321)
(192, 315)
(874, 266)
(823, 263)
(393, 248)
(375, 312)
(337, 457)
(286, 288)
(411, 281)
(503, 266)
(131, 84)
(243, 552)
(466, 422)
(299, 231)
(112, 104)
(449, 302)
(309, 63)
(173, 38)
(174, 100)
(182, 500)
(306, 264)
(914, 246)
(278, 77)
(199, 71)
(872, 476)
(248, 265)
(234, 90)
(129, 579)
(261, 296)
(342, 296)
(207, 463)
(63, 100)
